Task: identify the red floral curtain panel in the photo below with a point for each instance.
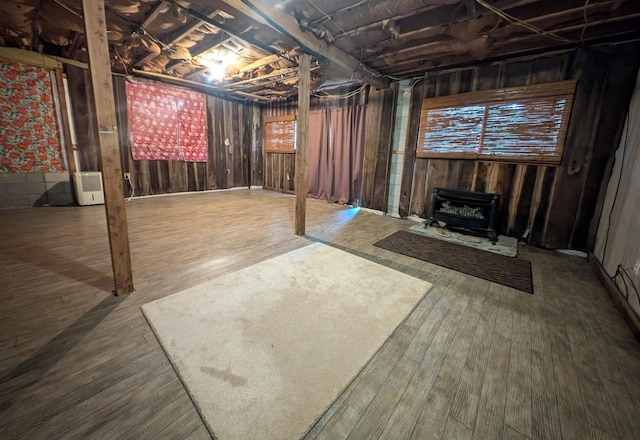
(29, 136)
(166, 123)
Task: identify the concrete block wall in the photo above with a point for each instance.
(399, 140)
(24, 190)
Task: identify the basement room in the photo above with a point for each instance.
(320, 219)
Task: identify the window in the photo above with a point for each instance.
(280, 134)
(526, 124)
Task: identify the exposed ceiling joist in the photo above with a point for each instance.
(362, 39)
(246, 10)
(283, 72)
(228, 29)
(155, 11)
(216, 91)
(195, 53)
(259, 63)
(178, 36)
(288, 26)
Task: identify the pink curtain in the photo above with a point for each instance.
(166, 122)
(336, 153)
(320, 169)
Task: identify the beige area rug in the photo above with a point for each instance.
(504, 246)
(265, 350)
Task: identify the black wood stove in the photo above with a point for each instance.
(472, 210)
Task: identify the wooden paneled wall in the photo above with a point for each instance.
(617, 246)
(235, 165)
(378, 139)
(556, 204)
(84, 117)
(380, 110)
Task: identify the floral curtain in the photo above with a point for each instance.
(29, 136)
(166, 123)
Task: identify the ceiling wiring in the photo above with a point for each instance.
(586, 24)
(343, 96)
(518, 22)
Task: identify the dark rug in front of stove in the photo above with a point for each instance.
(508, 271)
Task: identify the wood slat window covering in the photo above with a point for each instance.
(280, 134)
(521, 124)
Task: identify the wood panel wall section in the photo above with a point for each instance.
(84, 118)
(378, 140)
(554, 203)
(235, 165)
(228, 166)
(379, 123)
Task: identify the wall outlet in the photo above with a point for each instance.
(127, 176)
(636, 267)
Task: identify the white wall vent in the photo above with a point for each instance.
(89, 187)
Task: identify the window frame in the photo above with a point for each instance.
(273, 119)
(558, 90)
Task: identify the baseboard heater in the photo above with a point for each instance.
(472, 210)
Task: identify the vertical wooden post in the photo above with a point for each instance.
(302, 140)
(66, 126)
(100, 66)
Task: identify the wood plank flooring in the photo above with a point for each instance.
(474, 360)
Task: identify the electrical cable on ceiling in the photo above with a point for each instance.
(68, 9)
(519, 22)
(364, 66)
(584, 28)
(124, 65)
(344, 96)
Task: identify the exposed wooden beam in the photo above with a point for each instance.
(438, 26)
(246, 10)
(521, 50)
(66, 126)
(35, 26)
(284, 78)
(577, 28)
(343, 10)
(612, 29)
(215, 91)
(426, 17)
(202, 17)
(180, 34)
(29, 57)
(155, 11)
(261, 78)
(100, 68)
(198, 50)
(302, 142)
(320, 49)
(259, 63)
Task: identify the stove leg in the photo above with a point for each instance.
(493, 236)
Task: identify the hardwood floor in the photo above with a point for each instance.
(474, 360)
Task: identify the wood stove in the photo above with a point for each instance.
(472, 210)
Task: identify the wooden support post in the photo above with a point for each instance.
(100, 68)
(302, 143)
(66, 126)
